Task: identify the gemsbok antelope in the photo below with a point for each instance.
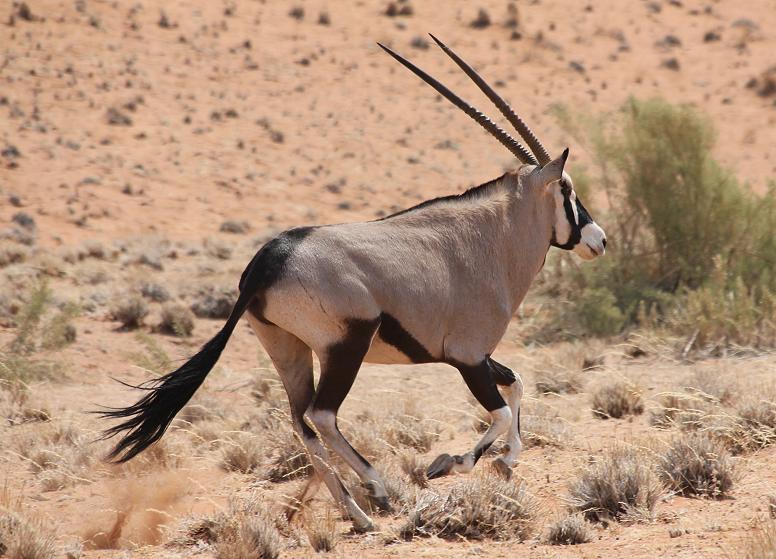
(436, 283)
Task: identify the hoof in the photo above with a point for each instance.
(502, 468)
(381, 503)
(441, 466)
(363, 526)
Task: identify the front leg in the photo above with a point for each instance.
(480, 379)
(514, 389)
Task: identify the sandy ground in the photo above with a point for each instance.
(145, 125)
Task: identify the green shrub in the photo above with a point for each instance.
(690, 249)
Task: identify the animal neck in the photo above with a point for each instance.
(527, 234)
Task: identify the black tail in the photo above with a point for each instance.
(149, 418)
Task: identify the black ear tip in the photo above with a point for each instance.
(565, 154)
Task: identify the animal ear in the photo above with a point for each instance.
(553, 171)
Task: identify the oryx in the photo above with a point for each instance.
(436, 283)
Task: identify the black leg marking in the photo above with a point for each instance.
(394, 334)
(341, 366)
(503, 376)
(343, 361)
(480, 380)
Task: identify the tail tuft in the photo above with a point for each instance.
(149, 418)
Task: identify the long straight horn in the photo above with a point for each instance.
(508, 141)
(521, 127)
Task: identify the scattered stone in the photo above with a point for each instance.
(671, 64)
(324, 19)
(24, 220)
(400, 8)
(711, 36)
(115, 117)
(669, 42)
(577, 66)
(165, 22)
(237, 227)
(419, 42)
(481, 21)
(297, 13)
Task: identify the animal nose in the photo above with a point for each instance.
(603, 242)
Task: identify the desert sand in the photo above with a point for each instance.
(131, 132)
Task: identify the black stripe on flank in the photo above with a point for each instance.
(393, 333)
(269, 264)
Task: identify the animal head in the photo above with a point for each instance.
(572, 227)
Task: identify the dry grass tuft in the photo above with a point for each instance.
(243, 452)
(176, 320)
(617, 400)
(250, 537)
(411, 430)
(129, 311)
(696, 464)
(244, 531)
(321, 530)
(572, 529)
(541, 426)
(286, 454)
(559, 380)
(22, 536)
(620, 485)
(761, 544)
(482, 507)
(414, 468)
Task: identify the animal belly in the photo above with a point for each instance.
(381, 352)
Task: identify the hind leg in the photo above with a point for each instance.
(339, 366)
(294, 363)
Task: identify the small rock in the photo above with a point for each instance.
(711, 36)
(117, 118)
(24, 220)
(481, 21)
(671, 64)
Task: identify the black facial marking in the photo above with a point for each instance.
(576, 228)
(480, 380)
(268, 265)
(393, 333)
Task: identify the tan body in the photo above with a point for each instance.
(453, 273)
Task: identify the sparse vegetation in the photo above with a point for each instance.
(620, 485)
(176, 320)
(214, 302)
(23, 536)
(762, 542)
(129, 310)
(697, 464)
(242, 453)
(572, 529)
(617, 399)
(668, 196)
(321, 530)
(480, 507)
